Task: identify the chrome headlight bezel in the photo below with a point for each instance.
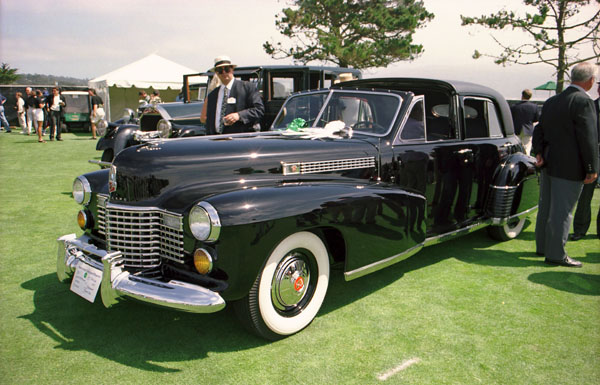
(204, 222)
(164, 128)
(82, 191)
(101, 127)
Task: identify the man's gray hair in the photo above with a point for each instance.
(582, 72)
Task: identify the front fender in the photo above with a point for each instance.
(364, 225)
(514, 189)
(121, 138)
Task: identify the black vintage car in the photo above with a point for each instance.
(182, 119)
(362, 175)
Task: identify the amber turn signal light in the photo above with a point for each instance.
(203, 262)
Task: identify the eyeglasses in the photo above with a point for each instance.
(227, 69)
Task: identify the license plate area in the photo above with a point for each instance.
(86, 281)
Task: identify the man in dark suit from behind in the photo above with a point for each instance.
(524, 114)
(566, 145)
(583, 214)
(235, 106)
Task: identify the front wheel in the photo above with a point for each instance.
(508, 231)
(289, 291)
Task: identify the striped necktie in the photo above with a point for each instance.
(223, 107)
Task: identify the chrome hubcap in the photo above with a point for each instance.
(290, 282)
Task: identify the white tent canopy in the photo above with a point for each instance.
(153, 71)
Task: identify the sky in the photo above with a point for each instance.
(86, 39)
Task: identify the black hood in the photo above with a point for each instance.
(202, 166)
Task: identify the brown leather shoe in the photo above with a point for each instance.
(568, 261)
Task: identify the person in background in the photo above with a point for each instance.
(524, 114)
(3, 121)
(38, 114)
(97, 111)
(155, 98)
(20, 107)
(29, 108)
(565, 143)
(56, 104)
(583, 214)
(144, 99)
(236, 106)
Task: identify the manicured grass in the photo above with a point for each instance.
(469, 311)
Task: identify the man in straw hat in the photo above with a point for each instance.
(235, 106)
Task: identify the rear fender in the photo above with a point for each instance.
(514, 190)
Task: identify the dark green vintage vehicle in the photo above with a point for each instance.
(362, 175)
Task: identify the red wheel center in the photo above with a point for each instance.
(298, 283)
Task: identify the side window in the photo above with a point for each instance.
(494, 121)
(282, 87)
(414, 126)
(475, 114)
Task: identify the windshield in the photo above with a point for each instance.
(370, 113)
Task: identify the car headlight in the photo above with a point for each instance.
(101, 127)
(164, 128)
(204, 222)
(82, 191)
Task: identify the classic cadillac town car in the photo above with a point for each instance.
(363, 175)
(182, 119)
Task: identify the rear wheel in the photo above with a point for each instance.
(289, 291)
(508, 231)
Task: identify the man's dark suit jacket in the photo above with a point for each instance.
(567, 135)
(524, 114)
(248, 104)
(50, 99)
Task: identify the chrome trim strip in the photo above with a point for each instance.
(100, 163)
(361, 271)
(501, 221)
(117, 283)
(459, 232)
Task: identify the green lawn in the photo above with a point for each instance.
(469, 311)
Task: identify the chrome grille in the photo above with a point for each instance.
(142, 235)
(327, 165)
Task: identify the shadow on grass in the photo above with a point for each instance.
(131, 333)
(143, 336)
(577, 283)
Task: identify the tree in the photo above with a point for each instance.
(350, 33)
(557, 37)
(7, 75)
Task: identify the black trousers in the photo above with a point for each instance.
(55, 126)
(583, 214)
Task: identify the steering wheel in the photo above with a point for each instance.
(365, 126)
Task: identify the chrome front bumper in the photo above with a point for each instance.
(117, 283)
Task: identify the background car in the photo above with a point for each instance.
(182, 119)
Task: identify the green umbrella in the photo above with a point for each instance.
(548, 86)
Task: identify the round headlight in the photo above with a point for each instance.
(82, 192)
(164, 128)
(204, 222)
(101, 127)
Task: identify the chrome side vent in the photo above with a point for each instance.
(327, 166)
